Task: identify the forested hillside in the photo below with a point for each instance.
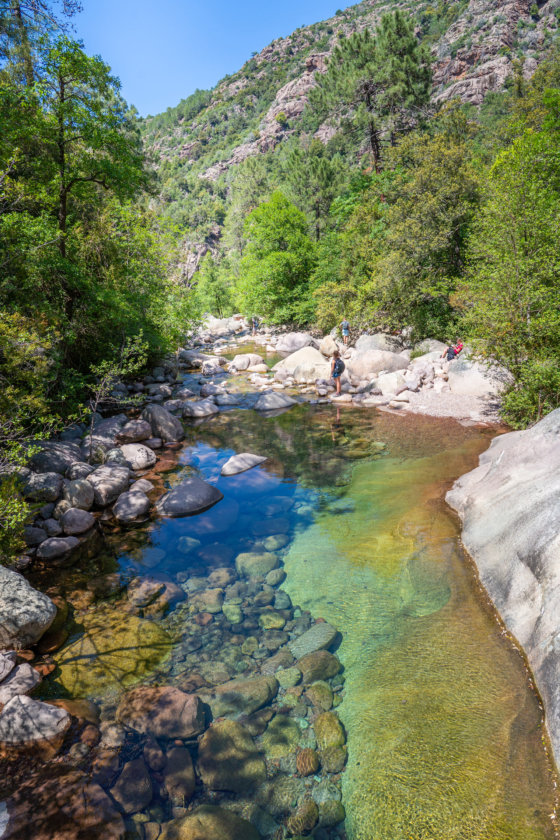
(397, 163)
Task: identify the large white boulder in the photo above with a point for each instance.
(273, 401)
(475, 379)
(245, 360)
(202, 408)
(365, 364)
(379, 341)
(291, 342)
(163, 424)
(305, 365)
(391, 383)
(108, 483)
(511, 527)
(25, 613)
(139, 457)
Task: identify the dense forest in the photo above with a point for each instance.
(442, 218)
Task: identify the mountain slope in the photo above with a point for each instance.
(200, 143)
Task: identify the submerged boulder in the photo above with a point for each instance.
(162, 711)
(30, 724)
(192, 496)
(209, 823)
(242, 462)
(273, 401)
(228, 758)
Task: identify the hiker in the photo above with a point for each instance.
(255, 322)
(452, 351)
(337, 369)
(345, 327)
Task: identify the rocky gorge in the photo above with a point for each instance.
(189, 688)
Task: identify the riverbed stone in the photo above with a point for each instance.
(320, 694)
(130, 506)
(320, 636)
(272, 620)
(28, 724)
(25, 613)
(142, 591)
(241, 463)
(281, 737)
(319, 665)
(307, 762)
(165, 712)
(253, 564)
(273, 401)
(79, 493)
(243, 696)
(233, 613)
(207, 600)
(7, 664)
(76, 521)
(228, 758)
(191, 497)
(115, 650)
(34, 536)
(275, 577)
(227, 399)
(334, 758)
(209, 822)
(57, 547)
(202, 408)
(281, 795)
(108, 483)
(134, 431)
(179, 779)
(329, 731)
(55, 457)
(163, 424)
(288, 677)
(133, 789)
(22, 680)
(43, 487)
(305, 819)
(331, 813)
(139, 457)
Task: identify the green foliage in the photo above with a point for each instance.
(277, 264)
(535, 393)
(213, 290)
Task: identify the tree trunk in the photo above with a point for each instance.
(24, 44)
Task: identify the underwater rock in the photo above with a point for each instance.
(192, 496)
(320, 694)
(319, 665)
(133, 789)
(319, 637)
(115, 649)
(307, 762)
(162, 711)
(32, 725)
(209, 823)
(179, 779)
(253, 564)
(228, 758)
(56, 547)
(329, 731)
(305, 819)
(280, 738)
(243, 696)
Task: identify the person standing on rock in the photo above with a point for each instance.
(255, 323)
(345, 327)
(337, 369)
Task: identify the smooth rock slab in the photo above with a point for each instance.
(273, 401)
(163, 711)
(134, 431)
(243, 696)
(131, 505)
(203, 408)
(26, 723)
(319, 637)
(133, 789)
(228, 758)
(192, 496)
(242, 462)
(25, 613)
(209, 823)
(108, 483)
(255, 564)
(22, 680)
(179, 779)
(138, 456)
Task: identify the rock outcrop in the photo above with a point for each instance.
(511, 528)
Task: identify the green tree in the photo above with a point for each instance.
(313, 180)
(375, 85)
(277, 264)
(213, 290)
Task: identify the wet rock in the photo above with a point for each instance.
(25, 613)
(79, 493)
(22, 680)
(27, 724)
(272, 620)
(228, 758)
(67, 806)
(305, 819)
(56, 547)
(275, 541)
(319, 665)
(329, 731)
(187, 544)
(163, 424)
(288, 677)
(307, 762)
(253, 564)
(320, 636)
(179, 779)
(320, 694)
(43, 487)
(282, 659)
(192, 496)
(108, 483)
(153, 755)
(243, 696)
(142, 591)
(131, 505)
(115, 649)
(273, 401)
(222, 577)
(242, 462)
(76, 521)
(275, 577)
(139, 457)
(209, 823)
(133, 789)
(280, 796)
(281, 736)
(202, 408)
(134, 431)
(227, 399)
(162, 711)
(333, 759)
(79, 471)
(233, 613)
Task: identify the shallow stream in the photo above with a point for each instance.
(445, 734)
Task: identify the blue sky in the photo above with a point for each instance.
(162, 50)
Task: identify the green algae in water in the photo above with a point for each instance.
(444, 733)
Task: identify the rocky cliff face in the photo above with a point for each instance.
(511, 528)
